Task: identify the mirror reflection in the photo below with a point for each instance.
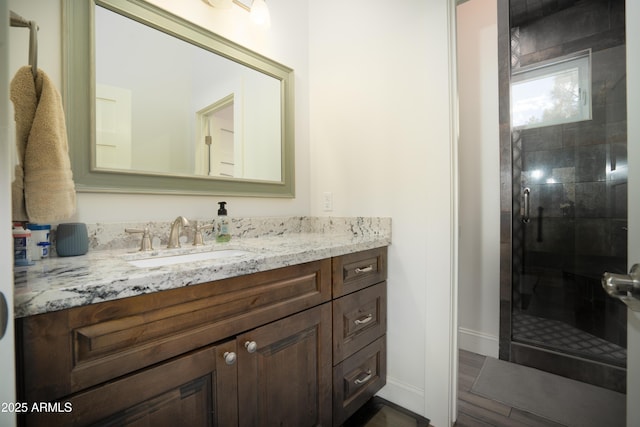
(167, 106)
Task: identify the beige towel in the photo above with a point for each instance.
(44, 174)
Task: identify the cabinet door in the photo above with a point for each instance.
(284, 371)
(198, 389)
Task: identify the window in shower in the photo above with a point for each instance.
(552, 93)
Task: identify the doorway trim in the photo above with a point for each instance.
(506, 167)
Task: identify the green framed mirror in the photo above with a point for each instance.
(158, 105)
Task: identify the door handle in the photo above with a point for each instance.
(625, 287)
(4, 315)
(526, 213)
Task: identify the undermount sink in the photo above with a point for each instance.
(160, 261)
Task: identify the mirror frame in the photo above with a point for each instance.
(78, 91)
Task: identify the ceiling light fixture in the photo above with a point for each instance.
(260, 14)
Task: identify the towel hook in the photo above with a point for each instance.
(18, 21)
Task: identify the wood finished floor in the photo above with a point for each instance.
(379, 412)
(473, 410)
(477, 411)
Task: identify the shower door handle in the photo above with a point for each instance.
(625, 287)
(527, 207)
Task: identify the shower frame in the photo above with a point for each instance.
(547, 360)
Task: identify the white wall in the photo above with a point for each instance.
(380, 143)
(479, 163)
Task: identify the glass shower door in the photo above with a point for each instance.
(572, 228)
(569, 181)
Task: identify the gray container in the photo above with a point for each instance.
(72, 239)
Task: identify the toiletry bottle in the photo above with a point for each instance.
(223, 225)
(21, 245)
(39, 240)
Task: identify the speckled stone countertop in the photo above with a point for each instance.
(105, 274)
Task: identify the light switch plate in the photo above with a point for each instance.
(327, 201)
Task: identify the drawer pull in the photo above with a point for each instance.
(364, 320)
(229, 357)
(367, 377)
(366, 269)
(251, 346)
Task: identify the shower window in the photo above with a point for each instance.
(552, 93)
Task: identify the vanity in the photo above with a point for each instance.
(289, 332)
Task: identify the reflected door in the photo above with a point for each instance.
(113, 127)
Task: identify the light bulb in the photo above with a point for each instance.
(260, 14)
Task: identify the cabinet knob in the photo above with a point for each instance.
(251, 346)
(229, 357)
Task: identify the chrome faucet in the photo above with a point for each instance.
(174, 234)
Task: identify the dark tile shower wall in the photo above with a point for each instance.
(584, 210)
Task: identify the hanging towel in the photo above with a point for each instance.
(23, 96)
(44, 174)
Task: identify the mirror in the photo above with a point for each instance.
(172, 107)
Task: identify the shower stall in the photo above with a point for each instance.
(564, 196)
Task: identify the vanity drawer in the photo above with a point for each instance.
(358, 319)
(358, 378)
(355, 271)
(96, 343)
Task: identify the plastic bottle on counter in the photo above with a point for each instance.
(21, 244)
(40, 242)
(223, 226)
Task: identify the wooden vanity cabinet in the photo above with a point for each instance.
(254, 350)
(162, 342)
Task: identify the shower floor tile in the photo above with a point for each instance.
(565, 338)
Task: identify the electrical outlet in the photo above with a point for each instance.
(327, 201)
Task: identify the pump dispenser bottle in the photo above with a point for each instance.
(223, 224)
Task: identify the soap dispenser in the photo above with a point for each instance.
(223, 225)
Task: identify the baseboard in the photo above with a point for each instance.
(403, 394)
(478, 342)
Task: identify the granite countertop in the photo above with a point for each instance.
(58, 283)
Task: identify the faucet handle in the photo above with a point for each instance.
(145, 244)
(198, 240)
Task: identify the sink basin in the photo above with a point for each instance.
(160, 261)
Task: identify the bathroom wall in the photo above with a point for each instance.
(374, 127)
(381, 145)
(479, 263)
